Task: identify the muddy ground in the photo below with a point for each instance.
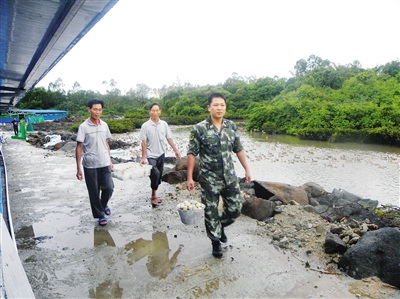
(149, 253)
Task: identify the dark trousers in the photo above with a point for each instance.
(157, 171)
(99, 179)
(15, 130)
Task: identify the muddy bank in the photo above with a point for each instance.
(145, 252)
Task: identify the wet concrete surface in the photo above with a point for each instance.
(142, 252)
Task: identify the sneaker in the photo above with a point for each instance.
(223, 238)
(217, 250)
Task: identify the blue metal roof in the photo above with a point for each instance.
(35, 111)
(36, 35)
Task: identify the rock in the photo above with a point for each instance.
(313, 189)
(258, 208)
(117, 144)
(58, 145)
(69, 146)
(309, 208)
(313, 202)
(178, 174)
(368, 204)
(337, 230)
(334, 244)
(174, 177)
(342, 204)
(285, 191)
(375, 254)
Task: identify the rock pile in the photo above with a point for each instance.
(345, 225)
(330, 225)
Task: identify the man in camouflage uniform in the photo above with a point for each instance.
(214, 140)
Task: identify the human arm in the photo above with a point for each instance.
(242, 159)
(144, 149)
(78, 157)
(176, 151)
(191, 160)
(109, 154)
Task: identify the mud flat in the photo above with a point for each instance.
(145, 252)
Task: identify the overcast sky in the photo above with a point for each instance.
(158, 42)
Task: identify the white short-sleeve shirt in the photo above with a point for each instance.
(155, 136)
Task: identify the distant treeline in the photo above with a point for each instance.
(321, 101)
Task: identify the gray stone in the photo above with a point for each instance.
(375, 254)
(334, 244)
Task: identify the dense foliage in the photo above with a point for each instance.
(322, 101)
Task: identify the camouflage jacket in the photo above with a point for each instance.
(215, 150)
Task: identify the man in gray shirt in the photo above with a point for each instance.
(93, 153)
(153, 135)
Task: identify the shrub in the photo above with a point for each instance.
(322, 134)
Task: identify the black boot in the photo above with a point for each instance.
(223, 238)
(217, 250)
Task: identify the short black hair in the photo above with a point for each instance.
(94, 102)
(215, 95)
(154, 104)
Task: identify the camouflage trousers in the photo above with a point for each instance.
(214, 219)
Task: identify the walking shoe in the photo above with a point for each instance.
(217, 250)
(223, 238)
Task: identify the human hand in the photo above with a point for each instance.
(190, 185)
(79, 175)
(178, 155)
(248, 178)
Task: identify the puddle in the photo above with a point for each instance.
(102, 237)
(25, 238)
(107, 289)
(159, 260)
(207, 290)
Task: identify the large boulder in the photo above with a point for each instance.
(258, 208)
(178, 174)
(174, 177)
(375, 254)
(287, 192)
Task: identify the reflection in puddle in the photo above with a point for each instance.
(208, 289)
(209, 286)
(159, 264)
(101, 237)
(25, 238)
(107, 289)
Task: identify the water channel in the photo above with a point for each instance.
(369, 171)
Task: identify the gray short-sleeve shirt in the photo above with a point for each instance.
(155, 136)
(95, 149)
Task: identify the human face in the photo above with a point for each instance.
(155, 112)
(217, 108)
(95, 111)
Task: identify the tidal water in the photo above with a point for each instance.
(369, 171)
